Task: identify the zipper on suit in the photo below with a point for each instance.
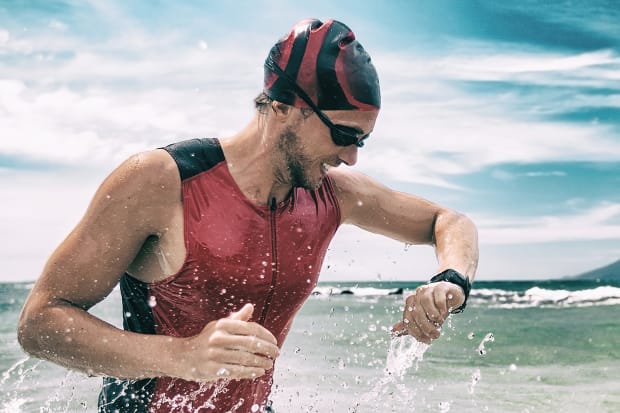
(274, 260)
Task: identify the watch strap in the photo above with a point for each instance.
(457, 278)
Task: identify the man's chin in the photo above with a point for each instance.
(312, 185)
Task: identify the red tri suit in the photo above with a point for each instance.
(237, 253)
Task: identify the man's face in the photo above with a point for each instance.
(309, 150)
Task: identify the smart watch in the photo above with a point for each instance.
(454, 277)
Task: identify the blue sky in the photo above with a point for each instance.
(507, 111)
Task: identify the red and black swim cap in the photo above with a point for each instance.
(328, 63)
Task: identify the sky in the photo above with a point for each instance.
(506, 111)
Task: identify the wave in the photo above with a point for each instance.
(357, 291)
(542, 297)
(499, 298)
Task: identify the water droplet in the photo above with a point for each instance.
(360, 203)
(127, 314)
(254, 408)
(481, 348)
(471, 336)
(475, 378)
(152, 301)
(223, 291)
(410, 308)
(297, 350)
(513, 367)
(372, 327)
(264, 263)
(308, 280)
(222, 372)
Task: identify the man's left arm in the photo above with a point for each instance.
(404, 217)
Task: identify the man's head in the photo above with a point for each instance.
(319, 68)
(327, 63)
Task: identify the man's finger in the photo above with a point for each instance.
(426, 326)
(242, 358)
(398, 329)
(234, 371)
(245, 328)
(244, 314)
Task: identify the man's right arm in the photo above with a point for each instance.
(131, 205)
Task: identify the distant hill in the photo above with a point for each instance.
(610, 272)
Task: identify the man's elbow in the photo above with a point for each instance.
(30, 333)
(27, 337)
(451, 220)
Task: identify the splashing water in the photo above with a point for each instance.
(18, 365)
(52, 403)
(404, 351)
(190, 401)
(488, 338)
(13, 403)
(475, 378)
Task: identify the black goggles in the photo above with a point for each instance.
(341, 135)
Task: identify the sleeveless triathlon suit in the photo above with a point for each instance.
(237, 253)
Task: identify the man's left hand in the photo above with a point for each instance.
(427, 309)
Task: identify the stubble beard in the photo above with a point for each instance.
(296, 162)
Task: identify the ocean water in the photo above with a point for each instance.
(545, 346)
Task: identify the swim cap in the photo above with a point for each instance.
(326, 61)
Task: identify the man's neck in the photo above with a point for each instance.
(251, 158)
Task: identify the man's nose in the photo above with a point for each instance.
(349, 155)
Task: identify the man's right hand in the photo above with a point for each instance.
(231, 348)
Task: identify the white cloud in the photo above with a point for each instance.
(596, 224)
(536, 174)
(436, 129)
(423, 144)
(57, 25)
(4, 37)
(501, 66)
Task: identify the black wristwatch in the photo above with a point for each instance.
(454, 277)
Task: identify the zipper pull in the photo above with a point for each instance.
(273, 204)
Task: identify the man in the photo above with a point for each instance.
(216, 244)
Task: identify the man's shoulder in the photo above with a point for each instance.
(195, 156)
(146, 176)
(151, 166)
(347, 180)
